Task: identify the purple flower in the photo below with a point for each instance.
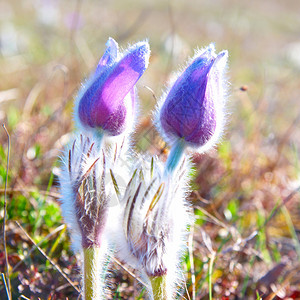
(106, 103)
(192, 110)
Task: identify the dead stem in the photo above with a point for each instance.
(4, 218)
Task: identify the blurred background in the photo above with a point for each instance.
(245, 193)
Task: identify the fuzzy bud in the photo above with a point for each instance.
(193, 109)
(106, 103)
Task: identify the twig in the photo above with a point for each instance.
(213, 218)
(5, 285)
(152, 92)
(60, 288)
(59, 228)
(210, 270)
(48, 258)
(30, 190)
(5, 212)
(129, 272)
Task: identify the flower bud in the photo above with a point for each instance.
(154, 217)
(193, 109)
(107, 101)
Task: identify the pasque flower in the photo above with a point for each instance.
(193, 108)
(154, 217)
(103, 108)
(85, 207)
(106, 101)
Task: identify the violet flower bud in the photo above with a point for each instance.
(106, 103)
(193, 109)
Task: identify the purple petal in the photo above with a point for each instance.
(109, 57)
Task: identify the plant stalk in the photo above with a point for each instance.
(175, 156)
(4, 217)
(159, 288)
(92, 274)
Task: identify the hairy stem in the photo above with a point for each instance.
(93, 277)
(175, 156)
(159, 288)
